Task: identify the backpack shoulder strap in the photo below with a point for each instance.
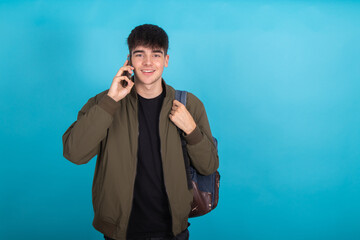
(181, 96)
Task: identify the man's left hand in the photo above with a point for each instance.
(181, 117)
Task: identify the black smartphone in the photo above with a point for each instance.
(126, 73)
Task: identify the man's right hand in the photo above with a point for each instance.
(117, 91)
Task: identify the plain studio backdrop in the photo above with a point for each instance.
(280, 81)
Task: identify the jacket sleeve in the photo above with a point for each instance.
(81, 141)
(200, 145)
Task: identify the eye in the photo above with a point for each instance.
(138, 55)
(157, 55)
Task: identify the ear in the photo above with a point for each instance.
(166, 60)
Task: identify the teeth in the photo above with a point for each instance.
(147, 71)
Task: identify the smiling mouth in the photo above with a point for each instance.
(147, 71)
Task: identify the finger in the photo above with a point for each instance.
(124, 68)
(177, 103)
(127, 79)
(120, 71)
(125, 82)
(128, 68)
(130, 85)
(126, 63)
(120, 78)
(130, 82)
(172, 112)
(174, 107)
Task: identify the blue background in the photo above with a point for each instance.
(279, 80)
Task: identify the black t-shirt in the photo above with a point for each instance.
(150, 215)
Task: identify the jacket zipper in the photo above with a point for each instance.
(135, 168)
(161, 154)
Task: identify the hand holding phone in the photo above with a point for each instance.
(118, 89)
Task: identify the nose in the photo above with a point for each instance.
(147, 61)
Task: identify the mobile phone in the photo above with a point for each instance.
(126, 73)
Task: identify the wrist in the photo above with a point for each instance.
(190, 130)
(112, 97)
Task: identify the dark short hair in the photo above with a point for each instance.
(148, 35)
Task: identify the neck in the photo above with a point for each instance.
(148, 90)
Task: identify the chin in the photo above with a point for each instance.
(148, 81)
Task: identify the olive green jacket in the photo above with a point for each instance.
(109, 129)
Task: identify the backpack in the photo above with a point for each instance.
(205, 188)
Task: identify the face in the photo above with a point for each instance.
(149, 64)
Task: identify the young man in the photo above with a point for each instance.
(140, 186)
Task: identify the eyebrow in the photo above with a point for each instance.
(154, 51)
(158, 51)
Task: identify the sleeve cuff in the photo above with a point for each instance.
(108, 104)
(194, 137)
